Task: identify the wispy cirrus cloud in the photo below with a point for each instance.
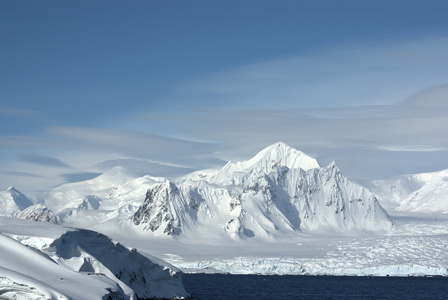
(21, 174)
(182, 153)
(386, 73)
(45, 161)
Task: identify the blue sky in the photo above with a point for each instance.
(167, 87)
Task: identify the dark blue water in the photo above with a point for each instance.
(247, 287)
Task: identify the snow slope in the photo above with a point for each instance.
(43, 260)
(432, 197)
(418, 193)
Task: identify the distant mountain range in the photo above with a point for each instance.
(280, 191)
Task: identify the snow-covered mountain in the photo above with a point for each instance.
(12, 202)
(279, 191)
(114, 195)
(432, 197)
(422, 193)
(45, 261)
(38, 212)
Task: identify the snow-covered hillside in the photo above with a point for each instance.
(418, 193)
(44, 261)
(432, 197)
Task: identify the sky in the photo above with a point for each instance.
(168, 87)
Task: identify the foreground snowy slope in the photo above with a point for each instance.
(48, 261)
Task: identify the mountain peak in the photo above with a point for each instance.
(276, 155)
(284, 155)
(12, 189)
(12, 200)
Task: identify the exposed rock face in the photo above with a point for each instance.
(38, 212)
(154, 213)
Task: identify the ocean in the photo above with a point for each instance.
(248, 287)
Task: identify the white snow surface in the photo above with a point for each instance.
(45, 261)
(432, 197)
(418, 193)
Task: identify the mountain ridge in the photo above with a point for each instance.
(279, 192)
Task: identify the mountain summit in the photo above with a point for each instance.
(12, 201)
(273, 156)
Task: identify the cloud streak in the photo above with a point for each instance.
(182, 153)
(45, 161)
(345, 75)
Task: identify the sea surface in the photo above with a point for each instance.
(247, 287)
